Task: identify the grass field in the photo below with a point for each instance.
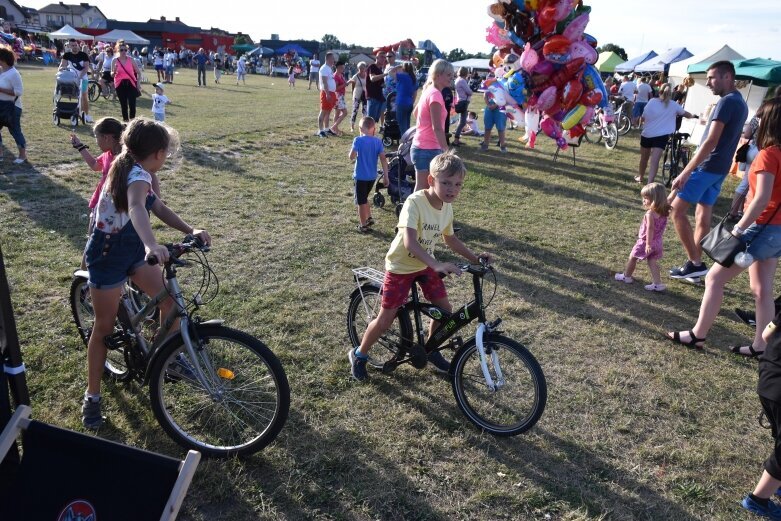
(634, 428)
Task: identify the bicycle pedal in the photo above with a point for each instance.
(117, 340)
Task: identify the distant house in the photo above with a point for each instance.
(12, 13)
(55, 16)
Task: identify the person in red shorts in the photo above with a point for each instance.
(426, 216)
(327, 96)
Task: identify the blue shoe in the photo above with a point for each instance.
(771, 511)
(90, 414)
(438, 361)
(357, 366)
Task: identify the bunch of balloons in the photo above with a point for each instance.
(545, 61)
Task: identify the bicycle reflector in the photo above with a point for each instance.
(225, 373)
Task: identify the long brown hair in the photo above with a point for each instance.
(142, 138)
(769, 132)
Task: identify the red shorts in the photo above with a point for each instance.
(395, 287)
(327, 100)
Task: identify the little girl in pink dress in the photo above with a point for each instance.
(649, 239)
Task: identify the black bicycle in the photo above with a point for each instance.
(497, 382)
(213, 389)
(675, 157)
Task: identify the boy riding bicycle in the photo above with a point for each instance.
(426, 216)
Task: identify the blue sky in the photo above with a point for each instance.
(753, 29)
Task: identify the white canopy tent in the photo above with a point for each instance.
(679, 70)
(479, 64)
(67, 32)
(121, 34)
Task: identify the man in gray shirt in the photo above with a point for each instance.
(700, 181)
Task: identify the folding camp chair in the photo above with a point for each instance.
(68, 475)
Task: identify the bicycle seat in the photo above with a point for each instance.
(682, 135)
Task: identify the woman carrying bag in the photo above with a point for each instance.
(126, 74)
(760, 230)
(10, 93)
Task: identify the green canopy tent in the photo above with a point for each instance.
(243, 47)
(759, 70)
(607, 61)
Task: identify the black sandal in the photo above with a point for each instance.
(693, 343)
(752, 352)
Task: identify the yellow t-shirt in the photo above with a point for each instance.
(430, 223)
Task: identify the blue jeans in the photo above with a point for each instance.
(375, 109)
(403, 116)
(16, 130)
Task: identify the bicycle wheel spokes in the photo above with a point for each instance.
(364, 308)
(516, 403)
(244, 406)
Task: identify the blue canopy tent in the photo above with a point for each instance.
(662, 62)
(292, 47)
(629, 66)
(261, 51)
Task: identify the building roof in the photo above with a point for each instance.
(75, 9)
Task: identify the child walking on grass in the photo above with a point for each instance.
(426, 216)
(649, 239)
(365, 151)
(121, 239)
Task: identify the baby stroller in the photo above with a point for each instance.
(67, 98)
(391, 132)
(401, 175)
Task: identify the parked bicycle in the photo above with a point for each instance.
(623, 115)
(213, 389)
(675, 157)
(497, 382)
(602, 126)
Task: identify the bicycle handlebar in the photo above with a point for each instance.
(189, 243)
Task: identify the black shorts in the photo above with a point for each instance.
(107, 76)
(362, 189)
(654, 142)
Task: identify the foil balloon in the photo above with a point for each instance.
(583, 50)
(591, 97)
(515, 84)
(587, 116)
(546, 19)
(571, 93)
(576, 27)
(577, 131)
(590, 40)
(573, 117)
(552, 129)
(557, 49)
(563, 8)
(544, 68)
(563, 75)
(497, 36)
(546, 99)
(592, 80)
(529, 58)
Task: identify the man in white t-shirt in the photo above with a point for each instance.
(314, 70)
(644, 93)
(327, 87)
(627, 91)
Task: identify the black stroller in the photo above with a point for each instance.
(67, 98)
(391, 132)
(401, 175)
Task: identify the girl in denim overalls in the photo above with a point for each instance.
(121, 239)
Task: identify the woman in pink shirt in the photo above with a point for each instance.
(126, 74)
(430, 114)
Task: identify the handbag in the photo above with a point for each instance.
(721, 246)
(461, 106)
(741, 154)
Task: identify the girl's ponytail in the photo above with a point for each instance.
(117, 179)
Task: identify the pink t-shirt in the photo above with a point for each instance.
(425, 138)
(104, 160)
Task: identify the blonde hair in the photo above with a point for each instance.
(366, 124)
(447, 164)
(657, 193)
(665, 91)
(438, 68)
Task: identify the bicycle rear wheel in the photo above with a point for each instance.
(611, 136)
(668, 167)
(364, 306)
(623, 124)
(593, 132)
(519, 399)
(250, 399)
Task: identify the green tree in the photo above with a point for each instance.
(615, 48)
(330, 41)
(240, 39)
(456, 54)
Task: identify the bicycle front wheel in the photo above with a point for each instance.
(518, 398)
(623, 124)
(593, 132)
(93, 91)
(365, 304)
(246, 407)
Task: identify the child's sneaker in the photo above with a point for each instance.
(484, 146)
(655, 287)
(357, 366)
(90, 413)
(503, 150)
(624, 278)
(438, 361)
(771, 511)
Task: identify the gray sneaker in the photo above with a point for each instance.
(438, 361)
(357, 366)
(90, 413)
